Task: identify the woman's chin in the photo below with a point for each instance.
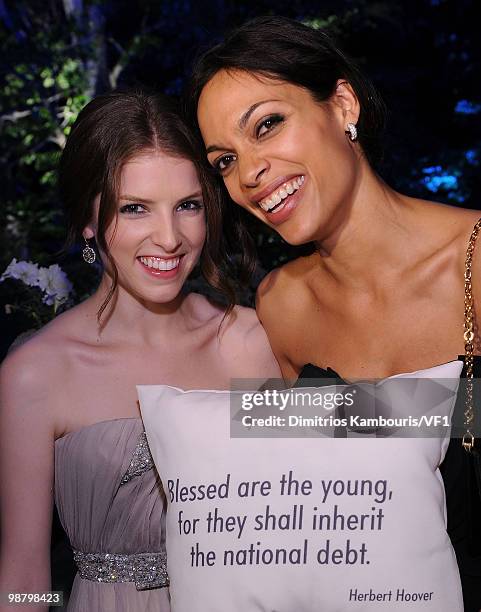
(151, 296)
(297, 236)
(162, 297)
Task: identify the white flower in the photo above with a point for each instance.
(26, 271)
(48, 299)
(54, 283)
(54, 300)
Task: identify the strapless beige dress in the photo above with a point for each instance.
(112, 507)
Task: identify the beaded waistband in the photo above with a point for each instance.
(146, 570)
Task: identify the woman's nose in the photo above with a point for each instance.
(165, 234)
(252, 167)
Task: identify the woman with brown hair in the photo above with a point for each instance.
(293, 129)
(134, 186)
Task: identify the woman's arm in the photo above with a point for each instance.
(26, 472)
(279, 306)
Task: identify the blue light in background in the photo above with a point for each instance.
(472, 157)
(465, 107)
(445, 182)
(432, 169)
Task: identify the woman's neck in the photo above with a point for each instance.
(375, 237)
(135, 320)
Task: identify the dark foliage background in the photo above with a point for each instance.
(55, 55)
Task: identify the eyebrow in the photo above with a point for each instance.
(242, 122)
(196, 194)
(131, 198)
(136, 199)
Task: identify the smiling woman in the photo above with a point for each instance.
(161, 204)
(293, 128)
(273, 115)
(100, 158)
(133, 185)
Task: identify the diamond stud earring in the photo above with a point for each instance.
(352, 130)
(88, 253)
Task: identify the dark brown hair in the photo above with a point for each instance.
(109, 131)
(290, 51)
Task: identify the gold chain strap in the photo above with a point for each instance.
(468, 437)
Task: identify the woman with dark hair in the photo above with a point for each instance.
(293, 128)
(133, 186)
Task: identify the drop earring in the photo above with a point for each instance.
(88, 253)
(351, 129)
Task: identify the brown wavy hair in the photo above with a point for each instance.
(109, 131)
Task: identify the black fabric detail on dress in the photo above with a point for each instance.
(312, 371)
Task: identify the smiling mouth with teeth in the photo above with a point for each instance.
(276, 201)
(158, 263)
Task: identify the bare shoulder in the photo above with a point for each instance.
(284, 301)
(455, 226)
(284, 297)
(244, 345)
(453, 222)
(31, 373)
(48, 346)
(203, 310)
(287, 285)
(463, 220)
(241, 325)
(26, 382)
(32, 361)
(467, 220)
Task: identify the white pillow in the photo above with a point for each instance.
(401, 559)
